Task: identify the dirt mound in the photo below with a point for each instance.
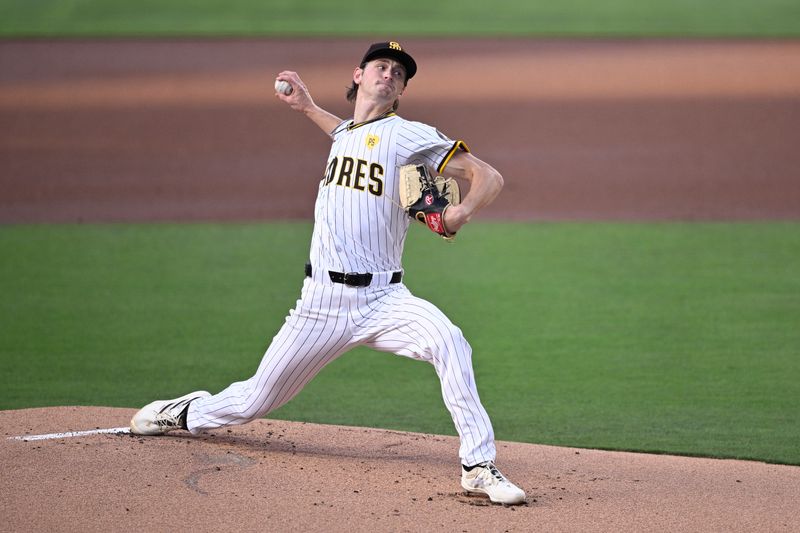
(280, 476)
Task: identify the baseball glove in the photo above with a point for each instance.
(426, 199)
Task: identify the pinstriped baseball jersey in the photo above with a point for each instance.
(360, 226)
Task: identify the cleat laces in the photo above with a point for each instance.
(492, 474)
(166, 420)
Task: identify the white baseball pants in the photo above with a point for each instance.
(331, 318)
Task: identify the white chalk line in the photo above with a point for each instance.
(69, 434)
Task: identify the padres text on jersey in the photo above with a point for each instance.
(356, 173)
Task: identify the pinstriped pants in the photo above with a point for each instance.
(330, 319)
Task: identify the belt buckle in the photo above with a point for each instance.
(352, 279)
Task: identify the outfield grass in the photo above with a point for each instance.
(679, 338)
(739, 18)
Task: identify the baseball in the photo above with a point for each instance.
(283, 87)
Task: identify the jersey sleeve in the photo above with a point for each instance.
(423, 144)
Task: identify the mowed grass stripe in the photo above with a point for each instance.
(361, 18)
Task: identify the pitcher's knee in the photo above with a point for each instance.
(458, 342)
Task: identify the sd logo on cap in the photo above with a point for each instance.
(392, 50)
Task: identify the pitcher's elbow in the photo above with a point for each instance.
(498, 181)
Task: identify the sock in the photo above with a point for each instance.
(469, 468)
(182, 417)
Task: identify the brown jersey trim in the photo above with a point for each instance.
(456, 145)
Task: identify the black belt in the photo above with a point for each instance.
(354, 279)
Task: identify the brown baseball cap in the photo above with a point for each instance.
(392, 50)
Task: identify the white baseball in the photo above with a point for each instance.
(283, 87)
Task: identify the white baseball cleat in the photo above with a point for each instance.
(487, 479)
(163, 416)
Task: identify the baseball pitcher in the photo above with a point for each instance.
(382, 174)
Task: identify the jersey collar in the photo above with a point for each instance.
(353, 125)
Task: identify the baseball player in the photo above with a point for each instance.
(353, 293)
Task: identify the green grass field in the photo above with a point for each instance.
(678, 338)
(626, 18)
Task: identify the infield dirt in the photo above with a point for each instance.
(591, 130)
(287, 476)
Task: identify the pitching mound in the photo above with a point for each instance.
(280, 476)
